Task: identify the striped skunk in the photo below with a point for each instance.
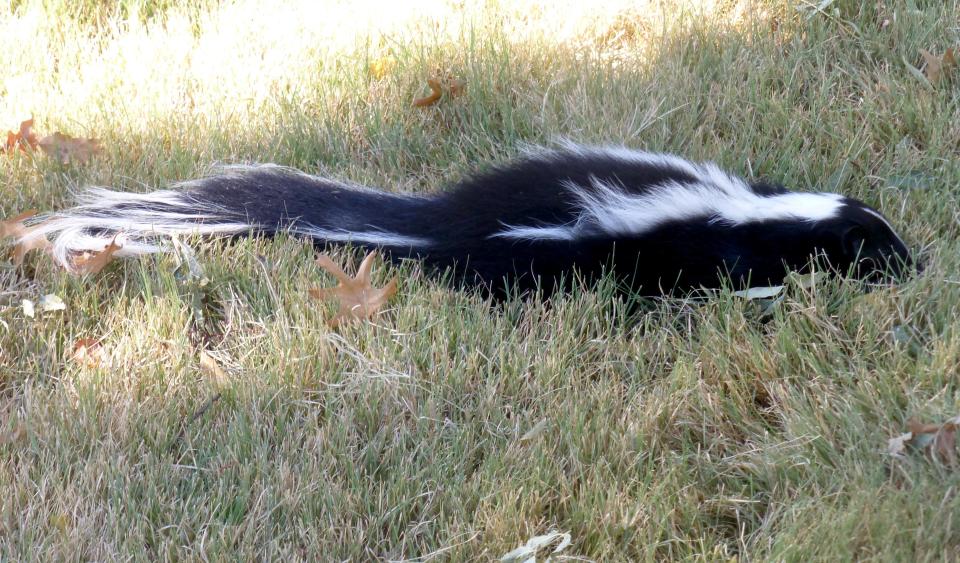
(658, 223)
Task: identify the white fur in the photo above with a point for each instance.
(612, 210)
(556, 232)
(145, 230)
(379, 238)
(663, 160)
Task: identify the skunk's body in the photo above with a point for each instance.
(659, 223)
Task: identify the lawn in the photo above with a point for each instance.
(451, 428)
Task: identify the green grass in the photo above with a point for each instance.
(450, 428)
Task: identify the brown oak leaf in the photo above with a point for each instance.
(936, 68)
(357, 298)
(436, 91)
(67, 149)
(15, 228)
(450, 86)
(211, 367)
(23, 139)
(93, 262)
(935, 440)
(88, 352)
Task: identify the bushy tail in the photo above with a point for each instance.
(237, 201)
(146, 221)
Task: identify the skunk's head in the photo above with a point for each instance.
(862, 243)
(759, 243)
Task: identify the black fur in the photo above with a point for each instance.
(460, 225)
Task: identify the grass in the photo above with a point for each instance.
(451, 429)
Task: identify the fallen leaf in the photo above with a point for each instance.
(50, 302)
(357, 298)
(945, 444)
(935, 68)
(13, 226)
(88, 352)
(67, 149)
(939, 440)
(535, 431)
(212, 368)
(382, 67)
(435, 94)
(16, 229)
(455, 88)
(936, 440)
(19, 432)
(23, 139)
(92, 263)
(12, 428)
(47, 304)
(527, 553)
(450, 86)
(897, 445)
(916, 427)
(759, 292)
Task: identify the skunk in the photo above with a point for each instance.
(658, 223)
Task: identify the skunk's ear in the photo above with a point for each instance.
(853, 241)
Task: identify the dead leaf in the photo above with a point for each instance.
(92, 263)
(358, 300)
(764, 292)
(435, 94)
(917, 428)
(936, 440)
(212, 368)
(455, 88)
(945, 444)
(438, 87)
(88, 352)
(528, 552)
(11, 433)
(535, 431)
(50, 302)
(15, 228)
(64, 148)
(382, 67)
(67, 149)
(23, 139)
(939, 440)
(897, 445)
(935, 68)
(47, 304)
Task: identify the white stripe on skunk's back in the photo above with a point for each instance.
(609, 209)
